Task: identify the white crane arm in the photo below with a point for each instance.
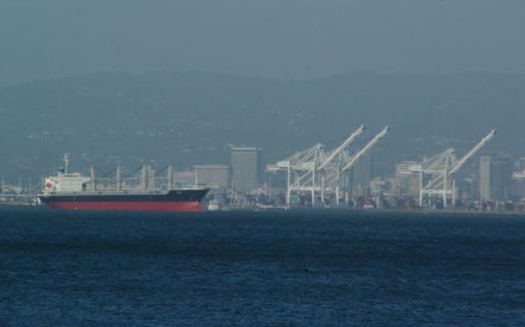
(472, 152)
(365, 149)
(343, 146)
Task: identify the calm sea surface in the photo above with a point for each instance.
(331, 268)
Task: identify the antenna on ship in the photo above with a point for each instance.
(66, 162)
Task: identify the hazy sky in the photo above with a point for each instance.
(290, 39)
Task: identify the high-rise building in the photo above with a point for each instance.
(244, 164)
(494, 178)
(214, 176)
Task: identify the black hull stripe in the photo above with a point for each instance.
(172, 196)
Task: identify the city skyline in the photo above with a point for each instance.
(403, 183)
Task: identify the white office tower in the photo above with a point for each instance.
(494, 178)
(244, 164)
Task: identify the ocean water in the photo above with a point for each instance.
(296, 268)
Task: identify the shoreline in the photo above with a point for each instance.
(391, 210)
(305, 209)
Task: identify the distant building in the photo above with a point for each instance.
(214, 176)
(245, 166)
(518, 185)
(184, 177)
(407, 180)
(494, 178)
(379, 186)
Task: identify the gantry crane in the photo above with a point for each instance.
(302, 168)
(437, 173)
(315, 170)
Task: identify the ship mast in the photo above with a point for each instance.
(66, 162)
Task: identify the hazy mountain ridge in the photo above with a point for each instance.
(187, 118)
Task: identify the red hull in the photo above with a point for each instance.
(128, 206)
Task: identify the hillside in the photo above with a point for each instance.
(187, 118)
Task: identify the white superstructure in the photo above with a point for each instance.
(65, 182)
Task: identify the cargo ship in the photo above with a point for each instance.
(72, 191)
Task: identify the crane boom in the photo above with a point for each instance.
(472, 152)
(343, 146)
(365, 149)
